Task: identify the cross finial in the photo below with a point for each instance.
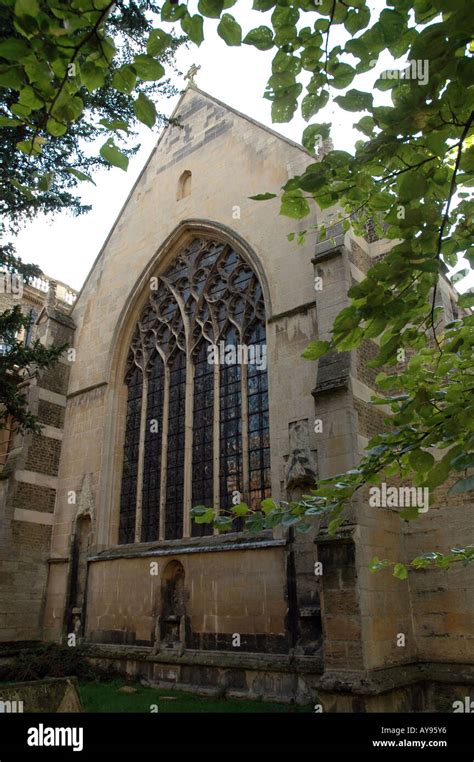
(193, 70)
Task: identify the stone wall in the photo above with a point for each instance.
(226, 593)
(215, 145)
(27, 495)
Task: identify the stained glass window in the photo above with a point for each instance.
(200, 342)
(230, 426)
(153, 446)
(258, 423)
(128, 498)
(175, 449)
(203, 436)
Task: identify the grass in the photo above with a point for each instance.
(105, 697)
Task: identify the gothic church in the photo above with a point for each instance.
(97, 536)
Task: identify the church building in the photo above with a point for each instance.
(186, 387)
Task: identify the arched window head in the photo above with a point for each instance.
(184, 185)
(197, 430)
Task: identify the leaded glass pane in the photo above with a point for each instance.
(152, 461)
(128, 498)
(203, 440)
(175, 451)
(259, 444)
(230, 445)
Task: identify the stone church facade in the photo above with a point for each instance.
(146, 427)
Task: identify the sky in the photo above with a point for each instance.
(65, 247)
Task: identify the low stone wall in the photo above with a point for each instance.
(293, 679)
(56, 695)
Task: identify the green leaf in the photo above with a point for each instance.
(334, 525)
(92, 76)
(273, 519)
(343, 75)
(412, 185)
(12, 76)
(56, 128)
(223, 523)
(420, 460)
(14, 50)
(355, 100)
(7, 121)
(67, 108)
(357, 20)
(158, 41)
(115, 125)
(377, 565)
(263, 196)
(145, 110)
(303, 528)
(366, 125)
(229, 30)
(462, 485)
(460, 275)
(289, 520)
(211, 8)
(193, 27)
(268, 505)
(111, 154)
(27, 8)
(315, 133)
(205, 518)
(466, 300)
(80, 175)
(32, 148)
(263, 5)
(172, 12)
(124, 79)
(261, 37)
(400, 571)
(392, 24)
(315, 350)
(312, 103)
(241, 509)
(148, 68)
(294, 205)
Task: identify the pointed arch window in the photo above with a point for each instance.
(196, 430)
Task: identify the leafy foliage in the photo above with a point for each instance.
(71, 74)
(39, 661)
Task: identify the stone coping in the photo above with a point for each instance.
(259, 662)
(383, 679)
(211, 544)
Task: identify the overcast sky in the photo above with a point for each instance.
(65, 247)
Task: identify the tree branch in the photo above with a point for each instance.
(77, 50)
(445, 219)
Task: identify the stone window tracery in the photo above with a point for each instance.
(196, 429)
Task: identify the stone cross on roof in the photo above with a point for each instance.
(193, 70)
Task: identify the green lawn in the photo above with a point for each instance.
(105, 697)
